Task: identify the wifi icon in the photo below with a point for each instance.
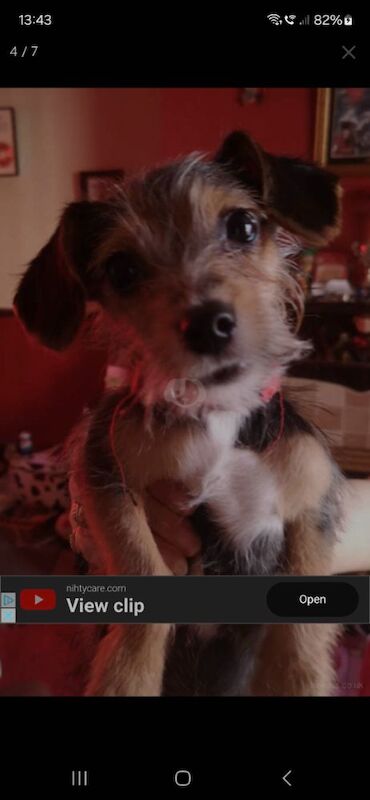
(275, 19)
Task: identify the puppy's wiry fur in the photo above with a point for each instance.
(152, 262)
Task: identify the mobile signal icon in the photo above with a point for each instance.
(275, 19)
(305, 20)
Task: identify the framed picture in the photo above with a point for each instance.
(8, 147)
(342, 134)
(99, 185)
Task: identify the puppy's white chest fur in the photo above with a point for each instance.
(208, 452)
(237, 487)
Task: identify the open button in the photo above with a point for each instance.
(312, 599)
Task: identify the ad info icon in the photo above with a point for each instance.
(38, 599)
(8, 599)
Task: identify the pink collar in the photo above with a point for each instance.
(266, 394)
(272, 388)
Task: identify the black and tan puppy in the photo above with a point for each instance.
(189, 284)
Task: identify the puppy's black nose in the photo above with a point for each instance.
(208, 328)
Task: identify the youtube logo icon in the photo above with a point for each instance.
(38, 599)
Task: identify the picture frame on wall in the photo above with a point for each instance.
(99, 185)
(342, 130)
(8, 144)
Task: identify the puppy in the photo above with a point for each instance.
(189, 286)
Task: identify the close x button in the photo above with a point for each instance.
(312, 599)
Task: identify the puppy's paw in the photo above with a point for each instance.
(130, 662)
(244, 502)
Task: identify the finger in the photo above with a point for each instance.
(172, 494)
(196, 566)
(174, 529)
(172, 557)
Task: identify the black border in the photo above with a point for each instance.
(229, 744)
(136, 46)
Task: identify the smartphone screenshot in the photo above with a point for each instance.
(184, 402)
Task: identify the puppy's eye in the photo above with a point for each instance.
(242, 226)
(124, 271)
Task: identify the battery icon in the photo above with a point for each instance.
(348, 19)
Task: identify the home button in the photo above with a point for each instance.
(183, 778)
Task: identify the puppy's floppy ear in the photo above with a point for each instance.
(50, 299)
(301, 197)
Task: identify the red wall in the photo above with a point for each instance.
(198, 119)
(41, 391)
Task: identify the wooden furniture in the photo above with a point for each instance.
(324, 317)
(322, 323)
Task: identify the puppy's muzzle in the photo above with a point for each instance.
(208, 328)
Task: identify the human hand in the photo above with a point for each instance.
(179, 545)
